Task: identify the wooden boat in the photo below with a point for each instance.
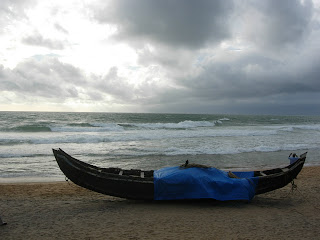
(138, 184)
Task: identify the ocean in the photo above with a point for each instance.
(151, 141)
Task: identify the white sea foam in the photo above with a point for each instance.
(94, 127)
(179, 125)
(307, 127)
(132, 135)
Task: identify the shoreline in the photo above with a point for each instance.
(62, 210)
(22, 180)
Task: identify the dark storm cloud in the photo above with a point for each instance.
(253, 76)
(195, 24)
(276, 24)
(179, 23)
(250, 83)
(196, 56)
(281, 63)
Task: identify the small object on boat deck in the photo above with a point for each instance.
(293, 158)
(232, 175)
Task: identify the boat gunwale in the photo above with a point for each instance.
(99, 171)
(103, 171)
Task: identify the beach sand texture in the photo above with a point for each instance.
(62, 210)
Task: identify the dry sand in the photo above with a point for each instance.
(63, 210)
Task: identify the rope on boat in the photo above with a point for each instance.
(67, 180)
(294, 186)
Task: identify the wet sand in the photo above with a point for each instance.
(62, 210)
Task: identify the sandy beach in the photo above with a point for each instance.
(62, 210)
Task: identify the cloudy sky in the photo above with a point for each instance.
(184, 56)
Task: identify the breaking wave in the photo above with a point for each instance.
(180, 125)
(30, 128)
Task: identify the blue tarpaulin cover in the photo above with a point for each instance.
(195, 183)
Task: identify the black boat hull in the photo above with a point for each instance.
(137, 184)
(98, 180)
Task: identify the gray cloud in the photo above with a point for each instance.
(47, 78)
(38, 40)
(235, 80)
(279, 64)
(193, 25)
(276, 24)
(189, 23)
(13, 10)
(60, 28)
(273, 69)
(115, 86)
